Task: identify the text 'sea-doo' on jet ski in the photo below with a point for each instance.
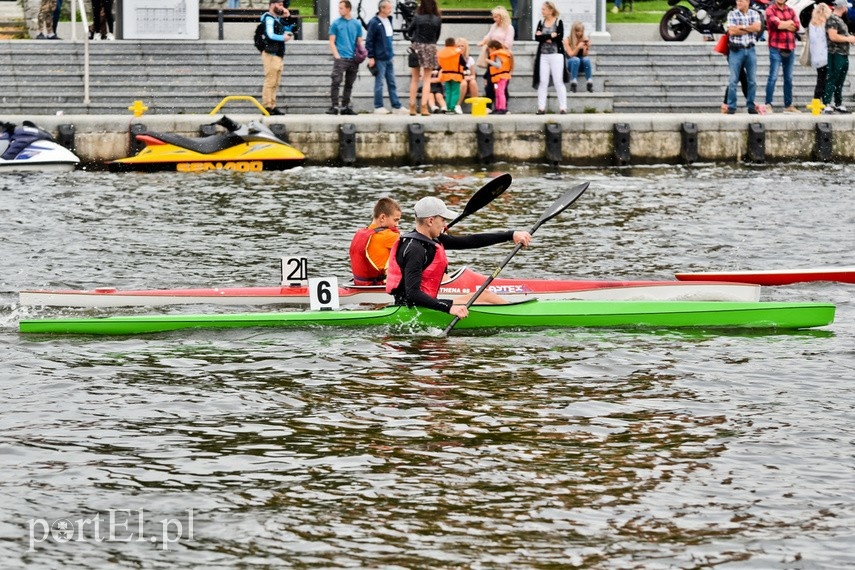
(241, 148)
(26, 147)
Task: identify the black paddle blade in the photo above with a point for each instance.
(561, 204)
(486, 194)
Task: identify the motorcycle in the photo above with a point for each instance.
(706, 17)
(29, 148)
(241, 148)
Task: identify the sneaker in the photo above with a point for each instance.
(761, 109)
(753, 111)
(54, 37)
(332, 111)
(769, 109)
(347, 111)
(731, 111)
(458, 110)
(274, 111)
(41, 37)
(829, 110)
(400, 111)
(792, 109)
(381, 111)
(434, 109)
(110, 37)
(841, 109)
(590, 87)
(540, 112)
(572, 87)
(562, 112)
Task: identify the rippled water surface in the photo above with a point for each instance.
(331, 448)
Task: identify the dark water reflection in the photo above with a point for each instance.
(317, 448)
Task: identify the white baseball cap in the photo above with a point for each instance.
(431, 206)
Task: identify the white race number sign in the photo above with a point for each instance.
(295, 271)
(323, 293)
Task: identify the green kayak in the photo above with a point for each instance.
(543, 314)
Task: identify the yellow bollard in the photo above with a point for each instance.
(138, 108)
(815, 106)
(479, 105)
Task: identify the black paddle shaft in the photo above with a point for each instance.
(561, 204)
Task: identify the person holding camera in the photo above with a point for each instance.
(576, 46)
(276, 33)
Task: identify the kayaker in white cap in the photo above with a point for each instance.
(418, 260)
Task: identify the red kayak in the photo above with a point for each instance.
(460, 282)
(775, 276)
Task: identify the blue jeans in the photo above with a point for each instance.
(573, 64)
(386, 72)
(776, 60)
(736, 59)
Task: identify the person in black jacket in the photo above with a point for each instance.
(550, 57)
(276, 33)
(424, 30)
(378, 42)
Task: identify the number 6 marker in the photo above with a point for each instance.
(323, 293)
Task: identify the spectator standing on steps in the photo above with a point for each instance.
(276, 33)
(782, 23)
(45, 20)
(549, 61)
(378, 42)
(424, 31)
(838, 58)
(345, 33)
(818, 40)
(97, 6)
(743, 25)
(503, 32)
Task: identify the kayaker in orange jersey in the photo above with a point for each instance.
(418, 259)
(370, 247)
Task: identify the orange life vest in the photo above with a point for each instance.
(503, 71)
(449, 64)
(431, 275)
(365, 272)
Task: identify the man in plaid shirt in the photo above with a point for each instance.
(782, 25)
(743, 25)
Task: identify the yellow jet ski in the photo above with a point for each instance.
(242, 148)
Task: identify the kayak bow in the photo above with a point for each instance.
(775, 276)
(540, 314)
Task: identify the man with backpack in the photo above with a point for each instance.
(270, 37)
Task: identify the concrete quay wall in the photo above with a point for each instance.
(580, 139)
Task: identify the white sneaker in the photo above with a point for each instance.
(458, 110)
(381, 111)
(111, 37)
(400, 111)
(829, 110)
(769, 109)
(841, 109)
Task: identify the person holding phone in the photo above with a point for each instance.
(576, 46)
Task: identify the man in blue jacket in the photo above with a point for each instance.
(276, 33)
(378, 42)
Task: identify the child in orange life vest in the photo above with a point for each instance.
(453, 67)
(370, 247)
(501, 63)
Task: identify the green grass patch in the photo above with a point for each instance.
(643, 12)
